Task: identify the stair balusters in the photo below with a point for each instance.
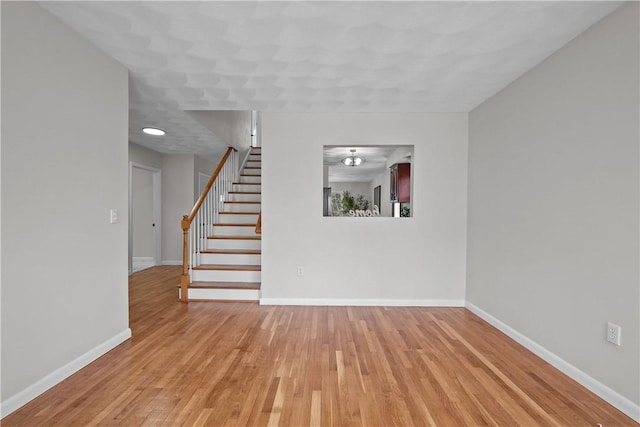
(198, 225)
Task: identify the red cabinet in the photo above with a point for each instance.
(400, 184)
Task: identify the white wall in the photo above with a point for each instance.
(421, 259)
(240, 132)
(233, 128)
(177, 200)
(553, 203)
(144, 156)
(64, 266)
(201, 165)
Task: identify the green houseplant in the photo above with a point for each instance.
(345, 202)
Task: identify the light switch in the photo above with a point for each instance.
(114, 216)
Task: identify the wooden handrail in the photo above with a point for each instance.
(196, 207)
(259, 224)
(186, 224)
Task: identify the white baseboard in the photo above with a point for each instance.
(363, 302)
(34, 390)
(139, 263)
(171, 262)
(625, 405)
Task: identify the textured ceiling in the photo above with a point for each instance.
(148, 106)
(356, 56)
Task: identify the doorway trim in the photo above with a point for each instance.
(157, 212)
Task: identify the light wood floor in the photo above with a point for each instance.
(238, 364)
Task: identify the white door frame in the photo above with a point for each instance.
(157, 212)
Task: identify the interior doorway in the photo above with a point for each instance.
(145, 248)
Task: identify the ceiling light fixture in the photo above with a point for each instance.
(153, 131)
(352, 160)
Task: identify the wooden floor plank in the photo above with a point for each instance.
(234, 364)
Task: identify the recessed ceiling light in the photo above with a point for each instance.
(153, 131)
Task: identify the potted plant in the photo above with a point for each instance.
(343, 203)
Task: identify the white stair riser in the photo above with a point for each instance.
(250, 218)
(233, 244)
(249, 188)
(223, 294)
(231, 230)
(250, 178)
(242, 213)
(241, 207)
(242, 197)
(225, 276)
(231, 259)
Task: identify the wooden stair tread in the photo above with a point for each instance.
(239, 213)
(235, 237)
(245, 192)
(244, 224)
(232, 251)
(252, 203)
(225, 285)
(247, 183)
(229, 267)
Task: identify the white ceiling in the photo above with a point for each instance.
(376, 160)
(344, 56)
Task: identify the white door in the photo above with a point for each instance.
(144, 217)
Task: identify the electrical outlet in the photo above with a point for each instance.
(613, 333)
(300, 271)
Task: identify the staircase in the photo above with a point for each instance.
(229, 267)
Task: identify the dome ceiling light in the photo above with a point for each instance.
(153, 131)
